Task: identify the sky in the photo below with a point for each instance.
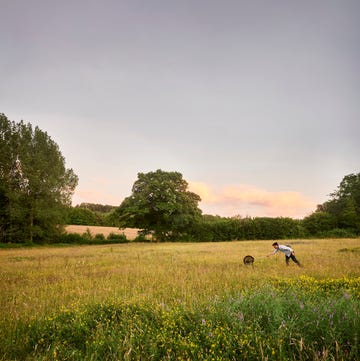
(255, 102)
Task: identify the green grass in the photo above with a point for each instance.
(185, 301)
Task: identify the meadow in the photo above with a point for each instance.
(181, 301)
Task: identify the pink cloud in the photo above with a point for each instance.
(205, 191)
(248, 200)
(244, 200)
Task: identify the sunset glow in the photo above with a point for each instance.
(248, 200)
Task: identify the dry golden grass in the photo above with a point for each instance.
(130, 233)
(37, 281)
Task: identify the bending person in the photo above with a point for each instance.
(287, 250)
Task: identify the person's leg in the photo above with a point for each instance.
(287, 260)
(292, 256)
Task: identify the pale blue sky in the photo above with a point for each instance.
(256, 103)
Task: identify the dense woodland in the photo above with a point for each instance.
(36, 190)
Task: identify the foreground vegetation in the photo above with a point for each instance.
(192, 301)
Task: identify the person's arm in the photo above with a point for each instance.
(271, 253)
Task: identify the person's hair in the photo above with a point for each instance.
(275, 244)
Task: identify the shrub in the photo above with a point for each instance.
(337, 233)
(141, 237)
(74, 238)
(117, 238)
(99, 238)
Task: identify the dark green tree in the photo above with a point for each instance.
(339, 215)
(35, 186)
(8, 175)
(350, 217)
(319, 222)
(161, 204)
(83, 216)
(344, 204)
(100, 208)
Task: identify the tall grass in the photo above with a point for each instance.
(180, 301)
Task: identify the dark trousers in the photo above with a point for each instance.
(292, 256)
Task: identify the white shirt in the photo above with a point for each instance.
(284, 249)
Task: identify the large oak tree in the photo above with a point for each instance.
(161, 204)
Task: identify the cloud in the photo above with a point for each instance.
(248, 200)
(205, 191)
(227, 201)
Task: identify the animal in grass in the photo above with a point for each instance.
(287, 250)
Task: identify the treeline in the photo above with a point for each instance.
(91, 214)
(36, 190)
(152, 205)
(216, 229)
(212, 228)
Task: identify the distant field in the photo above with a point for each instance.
(166, 301)
(130, 233)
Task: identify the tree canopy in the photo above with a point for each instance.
(160, 204)
(341, 212)
(35, 185)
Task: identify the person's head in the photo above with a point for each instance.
(275, 245)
